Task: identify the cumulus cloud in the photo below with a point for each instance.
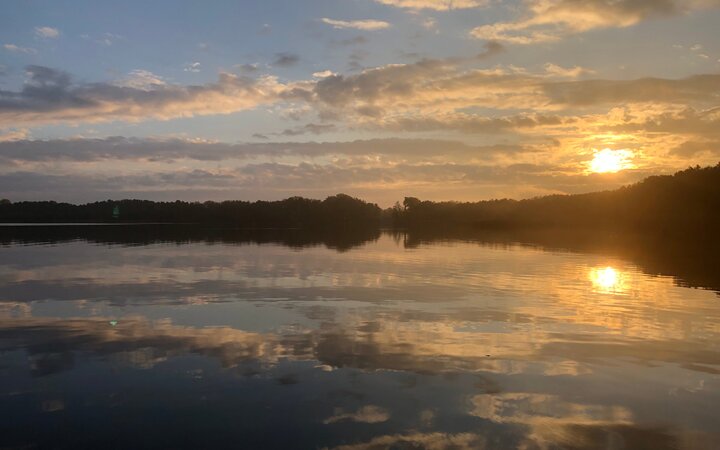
(550, 20)
(51, 95)
(47, 32)
(436, 5)
(367, 24)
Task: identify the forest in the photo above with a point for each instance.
(687, 200)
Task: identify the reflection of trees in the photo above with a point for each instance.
(340, 239)
(690, 259)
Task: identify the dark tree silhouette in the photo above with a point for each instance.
(686, 201)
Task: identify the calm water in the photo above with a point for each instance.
(137, 338)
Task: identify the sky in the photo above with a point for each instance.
(380, 99)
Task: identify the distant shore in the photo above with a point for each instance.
(689, 200)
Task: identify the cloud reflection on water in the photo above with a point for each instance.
(533, 344)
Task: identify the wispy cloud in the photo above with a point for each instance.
(551, 20)
(567, 72)
(367, 25)
(437, 5)
(142, 80)
(286, 59)
(106, 39)
(13, 134)
(323, 74)
(18, 49)
(366, 414)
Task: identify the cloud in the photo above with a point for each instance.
(50, 96)
(367, 25)
(47, 32)
(192, 67)
(551, 20)
(693, 89)
(17, 49)
(436, 5)
(569, 72)
(323, 74)
(356, 40)
(692, 148)
(142, 80)
(13, 134)
(286, 60)
(432, 441)
(421, 96)
(491, 48)
(311, 128)
(247, 68)
(379, 169)
(470, 123)
(366, 414)
(106, 39)
(375, 181)
(167, 150)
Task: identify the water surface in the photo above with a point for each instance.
(193, 338)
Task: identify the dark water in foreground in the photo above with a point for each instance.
(137, 337)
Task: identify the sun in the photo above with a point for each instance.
(611, 161)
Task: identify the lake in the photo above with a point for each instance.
(178, 337)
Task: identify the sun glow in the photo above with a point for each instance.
(607, 280)
(611, 161)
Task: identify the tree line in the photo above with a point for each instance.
(687, 200)
(336, 211)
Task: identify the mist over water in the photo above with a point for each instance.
(187, 337)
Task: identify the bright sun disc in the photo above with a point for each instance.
(611, 161)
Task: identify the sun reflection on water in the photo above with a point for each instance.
(607, 280)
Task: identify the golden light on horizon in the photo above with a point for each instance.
(607, 280)
(611, 161)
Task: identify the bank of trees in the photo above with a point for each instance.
(296, 212)
(688, 200)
